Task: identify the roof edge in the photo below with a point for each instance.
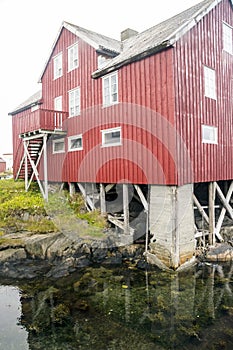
(99, 73)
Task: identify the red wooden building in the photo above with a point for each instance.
(153, 110)
(2, 165)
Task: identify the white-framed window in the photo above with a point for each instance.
(102, 61)
(110, 89)
(227, 38)
(34, 108)
(59, 145)
(58, 103)
(75, 143)
(72, 57)
(210, 82)
(74, 102)
(111, 137)
(209, 134)
(57, 66)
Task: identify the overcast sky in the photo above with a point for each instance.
(28, 29)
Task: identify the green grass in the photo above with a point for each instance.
(27, 211)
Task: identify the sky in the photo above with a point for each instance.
(28, 29)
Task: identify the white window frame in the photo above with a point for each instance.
(34, 108)
(58, 141)
(213, 132)
(109, 91)
(73, 60)
(58, 103)
(74, 102)
(70, 139)
(57, 66)
(227, 38)
(210, 82)
(101, 61)
(108, 131)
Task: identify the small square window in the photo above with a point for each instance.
(111, 137)
(75, 143)
(209, 134)
(59, 146)
(57, 66)
(210, 82)
(73, 57)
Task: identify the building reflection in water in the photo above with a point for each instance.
(102, 308)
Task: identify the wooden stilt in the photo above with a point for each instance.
(223, 212)
(26, 165)
(175, 232)
(71, 188)
(102, 200)
(89, 203)
(200, 209)
(212, 195)
(146, 208)
(126, 208)
(45, 167)
(224, 201)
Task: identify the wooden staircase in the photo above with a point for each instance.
(34, 147)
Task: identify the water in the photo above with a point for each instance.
(120, 308)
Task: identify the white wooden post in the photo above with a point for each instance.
(212, 193)
(45, 168)
(102, 200)
(126, 208)
(26, 166)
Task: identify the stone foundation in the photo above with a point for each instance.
(172, 224)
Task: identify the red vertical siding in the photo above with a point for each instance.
(201, 46)
(161, 110)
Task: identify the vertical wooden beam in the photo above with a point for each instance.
(25, 165)
(103, 208)
(212, 195)
(45, 167)
(223, 212)
(71, 188)
(175, 256)
(126, 208)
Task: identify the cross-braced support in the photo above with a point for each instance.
(218, 207)
(34, 147)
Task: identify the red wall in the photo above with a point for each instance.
(2, 167)
(161, 109)
(203, 45)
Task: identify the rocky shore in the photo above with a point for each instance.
(55, 255)
(25, 256)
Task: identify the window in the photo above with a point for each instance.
(210, 82)
(34, 108)
(58, 146)
(209, 134)
(111, 137)
(58, 103)
(102, 61)
(73, 57)
(110, 89)
(75, 143)
(74, 102)
(57, 66)
(227, 38)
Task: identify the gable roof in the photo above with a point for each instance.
(31, 101)
(99, 42)
(159, 37)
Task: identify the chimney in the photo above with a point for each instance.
(128, 33)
